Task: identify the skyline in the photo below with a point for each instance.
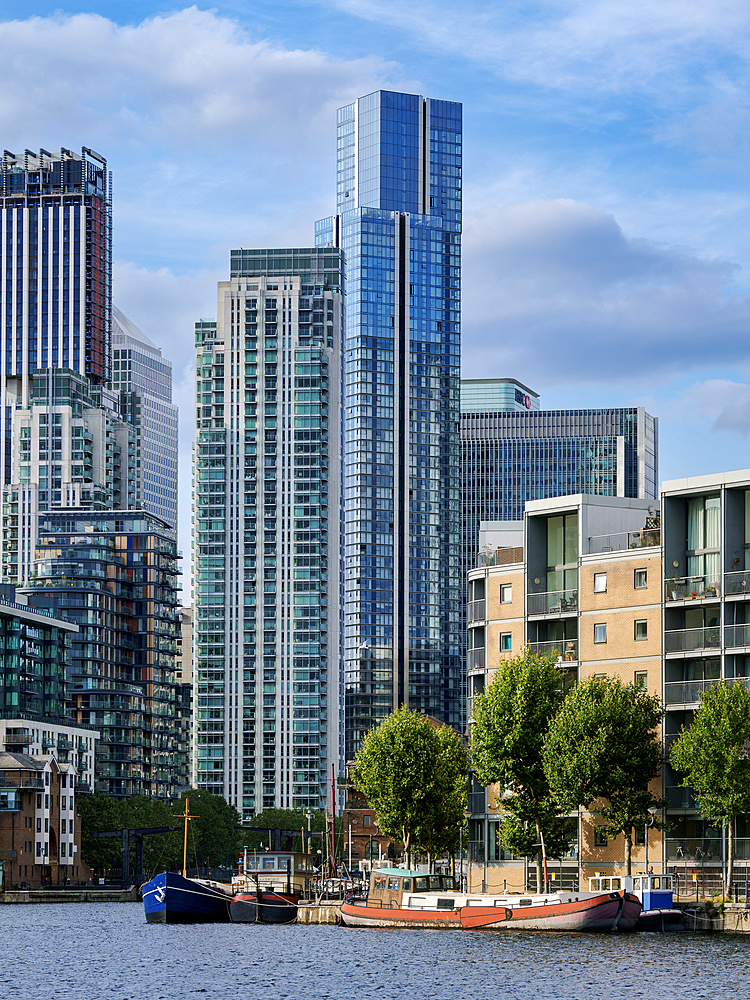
(605, 183)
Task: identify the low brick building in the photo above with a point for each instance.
(368, 842)
(40, 830)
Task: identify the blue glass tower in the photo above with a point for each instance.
(399, 223)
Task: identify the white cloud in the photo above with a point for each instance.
(555, 293)
(721, 403)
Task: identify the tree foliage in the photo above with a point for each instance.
(714, 755)
(99, 812)
(443, 818)
(510, 721)
(212, 834)
(603, 744)
(412, 773)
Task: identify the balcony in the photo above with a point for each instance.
(737, 584)
(686, 692)
(736, 636)
(679, 798)
(554, 602)
(692, 640)
(475, 611)
(618, 541)
(562, 649)
(505, 556)
(691, 588)
(475, 659)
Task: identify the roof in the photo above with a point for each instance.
(128, 327)
(403, 872)
(10, 761)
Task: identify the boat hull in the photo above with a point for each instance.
(600, 913)
(171, 899)
(660, 920)
(273, 908)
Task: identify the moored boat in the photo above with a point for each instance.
(402, 898)
(654, 893)
(269, 886)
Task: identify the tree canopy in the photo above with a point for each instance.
(713, 753)
(510, 721)
(603, 744)
(413, 775)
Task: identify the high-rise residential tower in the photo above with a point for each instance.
(56, 266)
(267, 531)
(144, 380)
(399, 223)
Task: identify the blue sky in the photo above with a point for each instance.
(606, 169)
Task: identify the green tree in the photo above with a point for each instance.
(395, 770)
(160, 851)
(603, 744)
(100, 813)
(444, 807)
(510, 720)
(713, 752)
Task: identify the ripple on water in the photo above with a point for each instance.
(102, 950)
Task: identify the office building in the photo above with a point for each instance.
(144, 380)
(584, 587)
(40, 829)
(70, 449)
(495, 395)
(267, 531)
(35, 715)
(399, 223)
(114, 574)
(56, 266)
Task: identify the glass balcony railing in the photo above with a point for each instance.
(475, 659)
(679, 798)
(562, 649)
(736, 635)
(737, 583)
(553, 602)
(686, 692)
(691, 588)
(475, 611)
(620, 540)
(690, 640)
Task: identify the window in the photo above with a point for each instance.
(505, 642)
(640, 581)
(506, 593)
(641, 630)
(640, 679)
(600, 583)
(600, 837)
(367, 820)
(62, 850)
(600, 677)
(600, 633)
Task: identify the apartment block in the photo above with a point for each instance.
(586, 589)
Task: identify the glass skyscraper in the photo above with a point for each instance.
(144, 379)
(267, 531)
(399, 223)
(55, 273)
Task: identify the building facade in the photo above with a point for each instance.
(585, 588)
(40, 829)
(56, 266)
(267, 531)
(399, 223)
(35, 715)
(184, 679)
(144, 380)
(70, 449)
(496, 395)
(114, 574)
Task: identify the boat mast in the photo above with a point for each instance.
(185, 816)
(333, 821)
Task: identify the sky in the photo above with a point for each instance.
(606, 168)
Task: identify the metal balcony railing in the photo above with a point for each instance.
(620, 540)
(686, 692)
(563, 649)
(553, 602)
(690, 640)
(736, 635)
(687, 588)
(476, 611)
(475, 659)
(737, 583)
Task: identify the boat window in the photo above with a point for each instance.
(666, 882)
(655, 882)
(421, 884)
(500, 902)
(416, 900)
(445, 904)
(435, 882)
(474, 902)
(269, 862)
(407, 885)
(525, 902)
(616, 883)
(378, 882)
(393, 884)
(595, 884)
(638, 886)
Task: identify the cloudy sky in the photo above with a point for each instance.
(606, 168)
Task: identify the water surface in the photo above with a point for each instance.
(107, 950)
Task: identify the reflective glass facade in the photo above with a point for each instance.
(55, 272)
(267, 531)
(144, 378)
(399, 223)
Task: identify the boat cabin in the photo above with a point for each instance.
(654, 891)
(388, 885)
(273, 869)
